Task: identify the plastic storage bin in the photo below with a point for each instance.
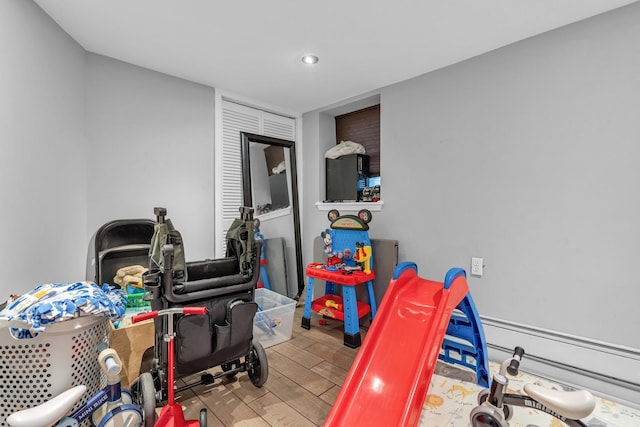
(273, 322)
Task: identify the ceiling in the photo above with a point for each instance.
(253, 48)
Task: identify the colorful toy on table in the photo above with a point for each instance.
(338, 260)
(363, 256)
(326, 239)
(333, 263)
(350, 233)
(341, 261)
(348, 259)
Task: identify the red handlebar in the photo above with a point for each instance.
(155, 313)
(144, 316)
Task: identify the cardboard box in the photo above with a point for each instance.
(130, 342)
(273, 323)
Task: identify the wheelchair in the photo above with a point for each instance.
(223, 336)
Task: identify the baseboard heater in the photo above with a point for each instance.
(609, 370)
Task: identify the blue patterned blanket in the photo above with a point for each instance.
(63, 301)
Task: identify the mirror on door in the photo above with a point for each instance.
(270, 187)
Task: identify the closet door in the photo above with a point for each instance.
(238, 118)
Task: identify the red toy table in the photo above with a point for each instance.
(346, 307)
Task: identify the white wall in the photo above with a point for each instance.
(526, 156)
(529, 159)
(150, 142)
(43, 168)
(85, 140)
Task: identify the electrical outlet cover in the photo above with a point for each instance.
(476, 266)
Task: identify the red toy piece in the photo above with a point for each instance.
(333, 261)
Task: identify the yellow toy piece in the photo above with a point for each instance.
(331, 303)
(363, 256)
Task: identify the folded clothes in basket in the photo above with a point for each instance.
(58, 302)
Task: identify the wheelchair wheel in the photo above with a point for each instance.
(203, 418)
(146, 365)
(144, 393)
(258, 366)
(486, 416)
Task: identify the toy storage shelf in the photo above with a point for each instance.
(320, 306)
(350, 206)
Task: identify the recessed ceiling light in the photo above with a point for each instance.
(310, 59)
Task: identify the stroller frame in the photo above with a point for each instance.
(228, 296)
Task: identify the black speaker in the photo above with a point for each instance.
(346, 177)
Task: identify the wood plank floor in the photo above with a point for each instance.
(305, 375)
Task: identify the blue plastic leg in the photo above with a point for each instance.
(265, 279)
(329, 288)
(352, 337)
(372, 300)
(306, 317)
(350, 307)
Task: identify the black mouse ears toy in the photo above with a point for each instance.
(325, 233)
(363, 214)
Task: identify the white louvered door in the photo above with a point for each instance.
(238, 118)
(278, 126)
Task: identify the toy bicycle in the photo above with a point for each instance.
(109, 407)
(495, 405)
(171, 414)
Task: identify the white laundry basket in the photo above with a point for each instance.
(34, 370)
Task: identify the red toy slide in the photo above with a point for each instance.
(390, 377)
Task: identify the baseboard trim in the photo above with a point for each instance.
(608, 370)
